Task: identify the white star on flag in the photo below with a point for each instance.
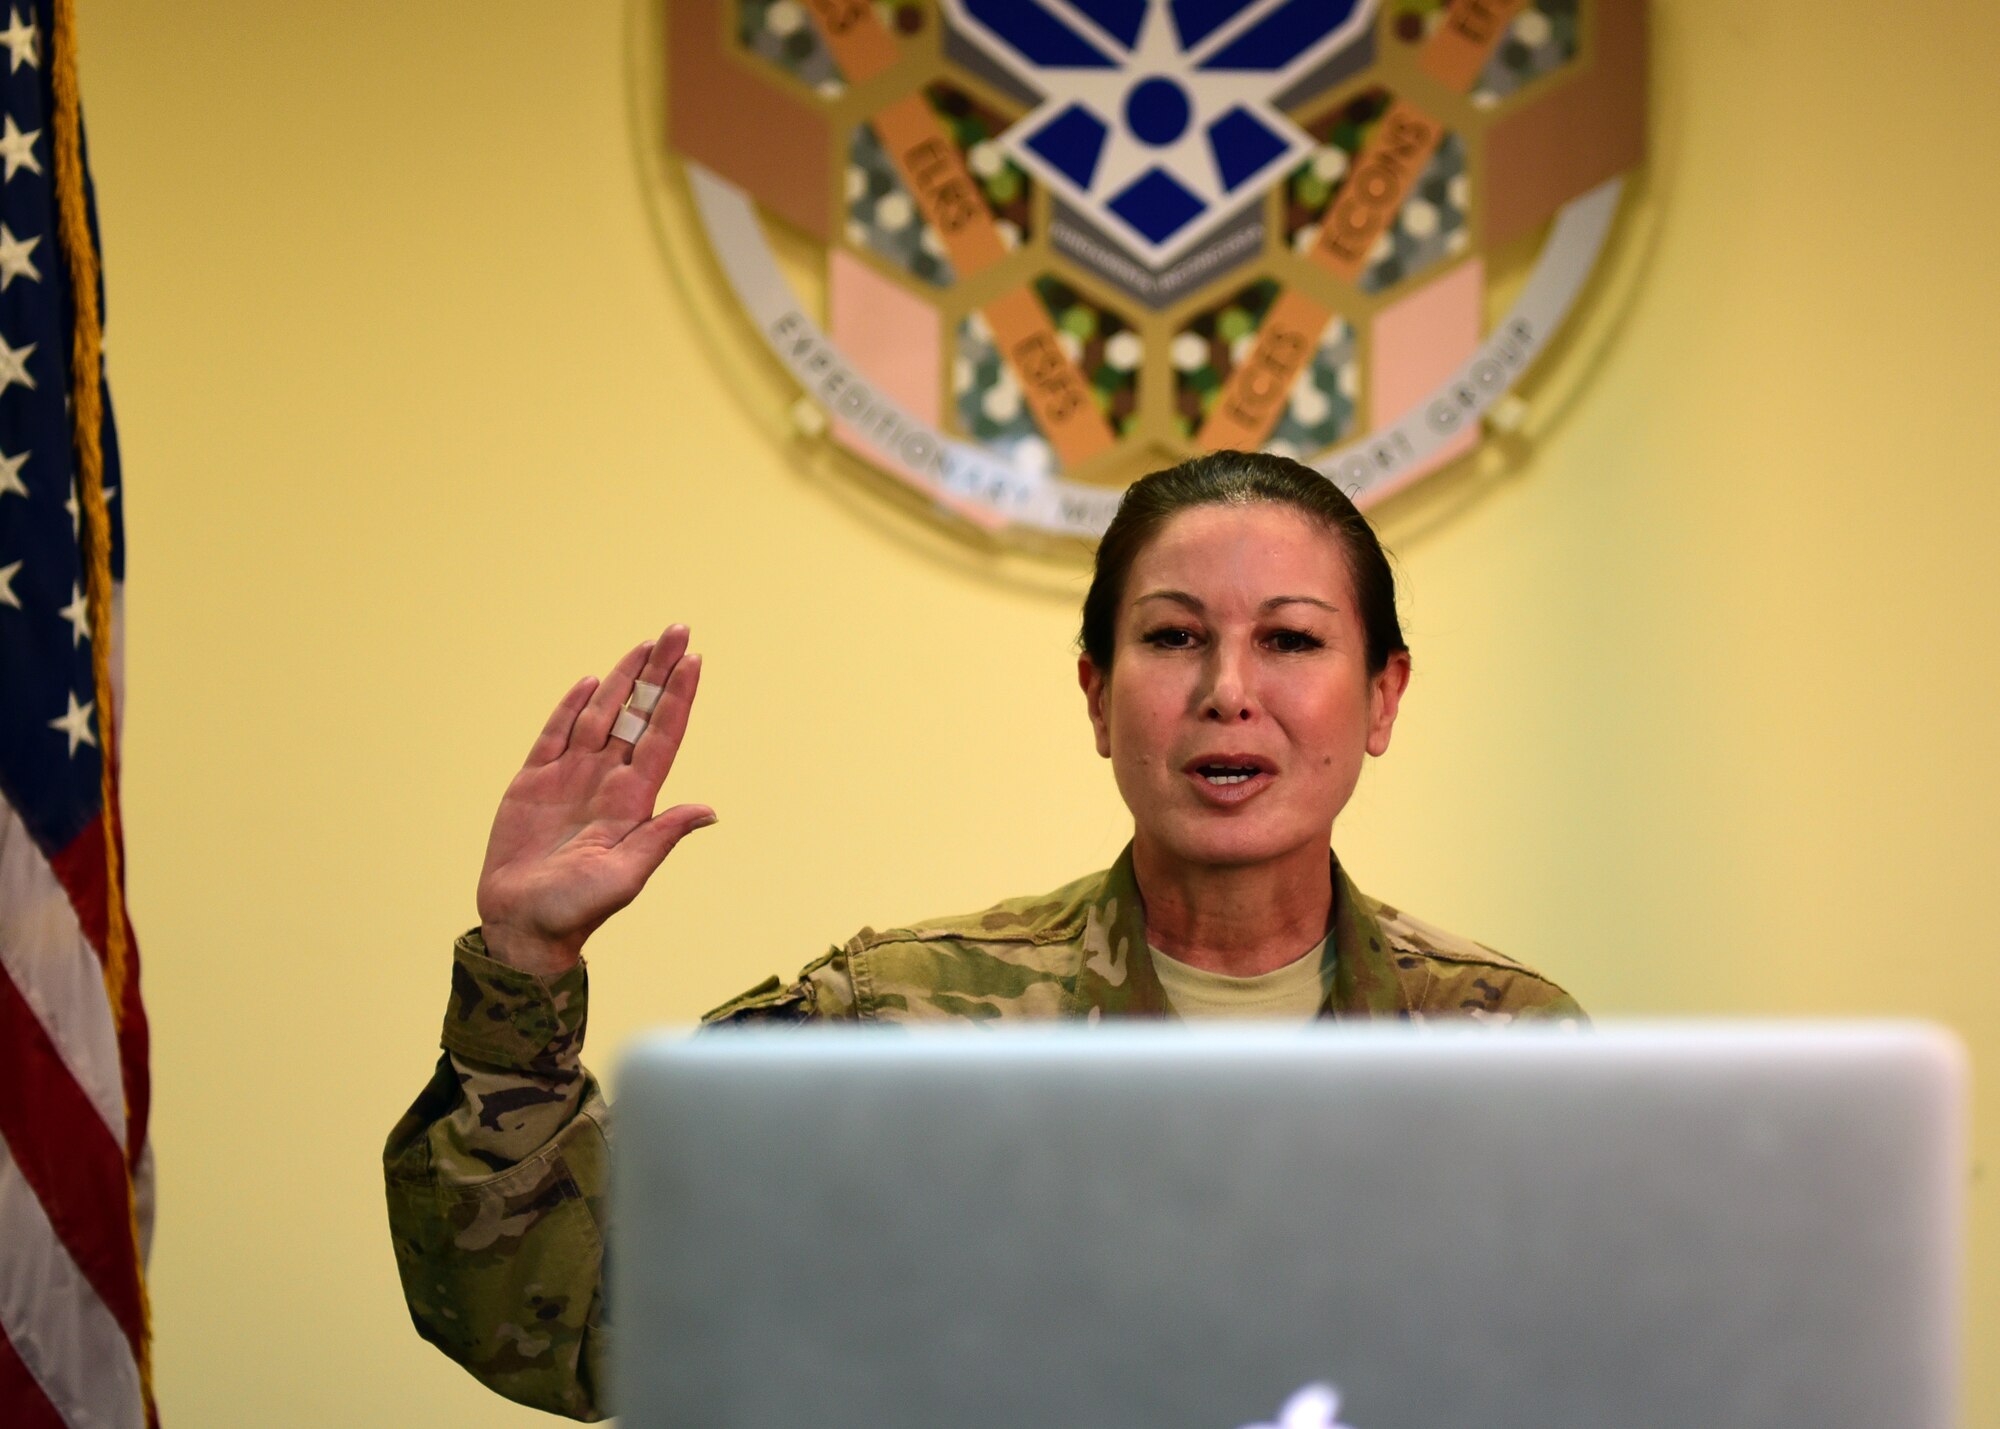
(76, 1167)
(77, 613)
(76, 724)
(18, 149)
(22, 40)
(14, 365)
(14, 259)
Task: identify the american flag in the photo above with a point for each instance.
(75, 1169)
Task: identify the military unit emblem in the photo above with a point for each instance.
(1156, 126)
(1014, 253)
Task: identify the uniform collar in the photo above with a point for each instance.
(1364, 971)
(1116, 977)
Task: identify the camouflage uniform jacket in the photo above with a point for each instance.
(496, 1175)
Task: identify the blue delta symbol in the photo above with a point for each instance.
(1160, 118)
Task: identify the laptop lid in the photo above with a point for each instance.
(1195, 1228)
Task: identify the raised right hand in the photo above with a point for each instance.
(576, 837)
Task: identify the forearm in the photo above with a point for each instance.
(495, 1179)
(496, 1176)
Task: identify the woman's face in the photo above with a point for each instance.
(1239, 703)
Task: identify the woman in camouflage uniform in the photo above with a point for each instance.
(1241, 656)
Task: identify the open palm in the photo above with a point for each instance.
(576, 837)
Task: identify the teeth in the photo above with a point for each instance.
(1227, 778)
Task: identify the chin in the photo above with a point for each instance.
(1224, 843)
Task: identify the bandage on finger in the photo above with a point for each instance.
(645, 696)
(629, 725)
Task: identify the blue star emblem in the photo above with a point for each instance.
(1157, 116)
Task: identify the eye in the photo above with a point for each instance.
(1170, 637)
(1294, 642)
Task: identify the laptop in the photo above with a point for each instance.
(1377, 1227)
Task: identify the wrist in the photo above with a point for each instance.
(530, 953)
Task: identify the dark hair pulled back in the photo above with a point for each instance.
(1230, 478)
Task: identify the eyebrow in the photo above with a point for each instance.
(1181, 597)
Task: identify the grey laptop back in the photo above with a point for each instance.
(1171, 1228)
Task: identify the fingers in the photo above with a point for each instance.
(653, 840)
(653, 755)
(593, 726)
(554, 738)
(669, 653)
(669, 648)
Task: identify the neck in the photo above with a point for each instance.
(1236, 919)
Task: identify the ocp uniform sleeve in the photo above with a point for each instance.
(497, 1175)
(496, 1180)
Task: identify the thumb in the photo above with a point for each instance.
(652, 841)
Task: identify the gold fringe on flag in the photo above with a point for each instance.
(87, 413)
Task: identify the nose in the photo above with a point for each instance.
(1227, 693)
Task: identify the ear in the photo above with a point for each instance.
(1094, 695)
(1385, 697)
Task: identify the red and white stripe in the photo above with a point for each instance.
(73, 1108)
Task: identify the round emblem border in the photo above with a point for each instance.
(693, 207)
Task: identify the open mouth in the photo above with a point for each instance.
(1226, 774)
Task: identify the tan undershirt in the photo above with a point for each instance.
(1293, 991)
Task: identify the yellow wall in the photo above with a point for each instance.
(417, 432)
